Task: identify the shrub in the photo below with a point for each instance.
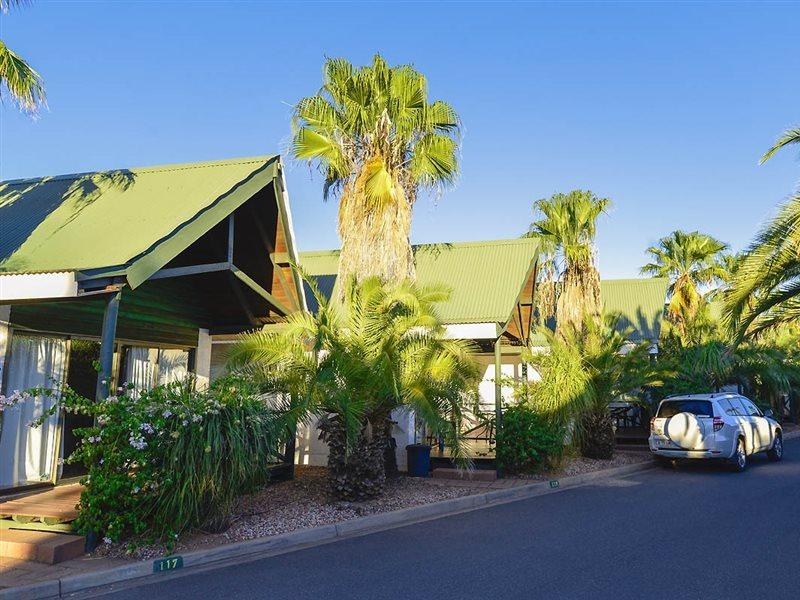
(170, 459)
(528, 441)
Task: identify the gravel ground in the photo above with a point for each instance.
(304, 502)
(300, 503)
(579, 465)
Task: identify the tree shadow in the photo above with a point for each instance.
(26, 204)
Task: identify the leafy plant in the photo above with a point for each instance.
(528, 440)
(163, 461)
(353, 364)
(582, 372)
(18, 78)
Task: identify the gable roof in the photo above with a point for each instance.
(639, 304)
(486, 278)
(133, 219)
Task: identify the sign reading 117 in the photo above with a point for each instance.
(167, 564)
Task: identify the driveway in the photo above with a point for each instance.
(696, 532)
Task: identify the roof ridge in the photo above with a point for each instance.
(166, 168)
(474, 244)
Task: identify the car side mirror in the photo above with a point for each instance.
(769, 413)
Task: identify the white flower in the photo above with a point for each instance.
(106, 540)
(167, 414)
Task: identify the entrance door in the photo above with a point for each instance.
(81, 377)
(27, 454)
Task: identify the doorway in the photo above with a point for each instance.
(82, 378)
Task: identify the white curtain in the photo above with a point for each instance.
(27, 453)
(173, 365)
(140, 369)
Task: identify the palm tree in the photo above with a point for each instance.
(766, 291)
(379, 142)
(568, 224)
(689, 260)
(789, 137)
(17, 78)
(585, 370)
(352, 364)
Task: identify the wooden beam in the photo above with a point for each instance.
(251, 283)
(191, 270)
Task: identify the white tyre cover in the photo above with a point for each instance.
(686, 430)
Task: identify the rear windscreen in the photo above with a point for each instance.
(700, 408)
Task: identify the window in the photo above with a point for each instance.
(731, 409)
(750, 408)
(700, 408)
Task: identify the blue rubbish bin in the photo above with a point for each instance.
(419, 460)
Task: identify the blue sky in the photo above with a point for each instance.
(664, 108)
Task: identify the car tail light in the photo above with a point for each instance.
(718, 423)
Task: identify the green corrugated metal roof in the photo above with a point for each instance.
(485, 277)
(639, 302)
(137, 218)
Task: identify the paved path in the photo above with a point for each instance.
(695, 532)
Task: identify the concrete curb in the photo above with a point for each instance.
(289, 542)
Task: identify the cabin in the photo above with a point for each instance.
(492, 305)
(138, 271)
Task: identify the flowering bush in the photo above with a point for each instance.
(173, 458)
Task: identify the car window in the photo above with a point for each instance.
(752, 409)
(731, 409)
(700, 408)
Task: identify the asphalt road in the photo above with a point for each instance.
(694, 532)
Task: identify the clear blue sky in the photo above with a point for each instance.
(664, 108)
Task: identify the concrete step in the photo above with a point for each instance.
(40, 546)
(474, 475)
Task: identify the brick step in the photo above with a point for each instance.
(474, 475)
(40, 546)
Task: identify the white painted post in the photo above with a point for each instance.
(5, 337)
(202, 359)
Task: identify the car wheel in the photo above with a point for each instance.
(739, 458)
(776, 452)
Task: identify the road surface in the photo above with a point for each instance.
(695, 532)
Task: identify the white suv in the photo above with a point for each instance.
(726, 426)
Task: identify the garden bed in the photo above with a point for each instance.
(578, 465)
(300, 503)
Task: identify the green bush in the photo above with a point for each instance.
(171, 459)
(528, 441)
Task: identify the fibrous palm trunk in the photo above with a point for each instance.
(579, 296)
(356, 473)
(597, 435)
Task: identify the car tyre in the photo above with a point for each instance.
(776, 452)
(739, 458)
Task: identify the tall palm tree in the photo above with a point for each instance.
(689, 260)
(568, 223)
(18, 79)
(353, 363)
(379, 142)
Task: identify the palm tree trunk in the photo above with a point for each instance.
(357, 474)
(579, 296)
(375, 239)
(597, 438)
